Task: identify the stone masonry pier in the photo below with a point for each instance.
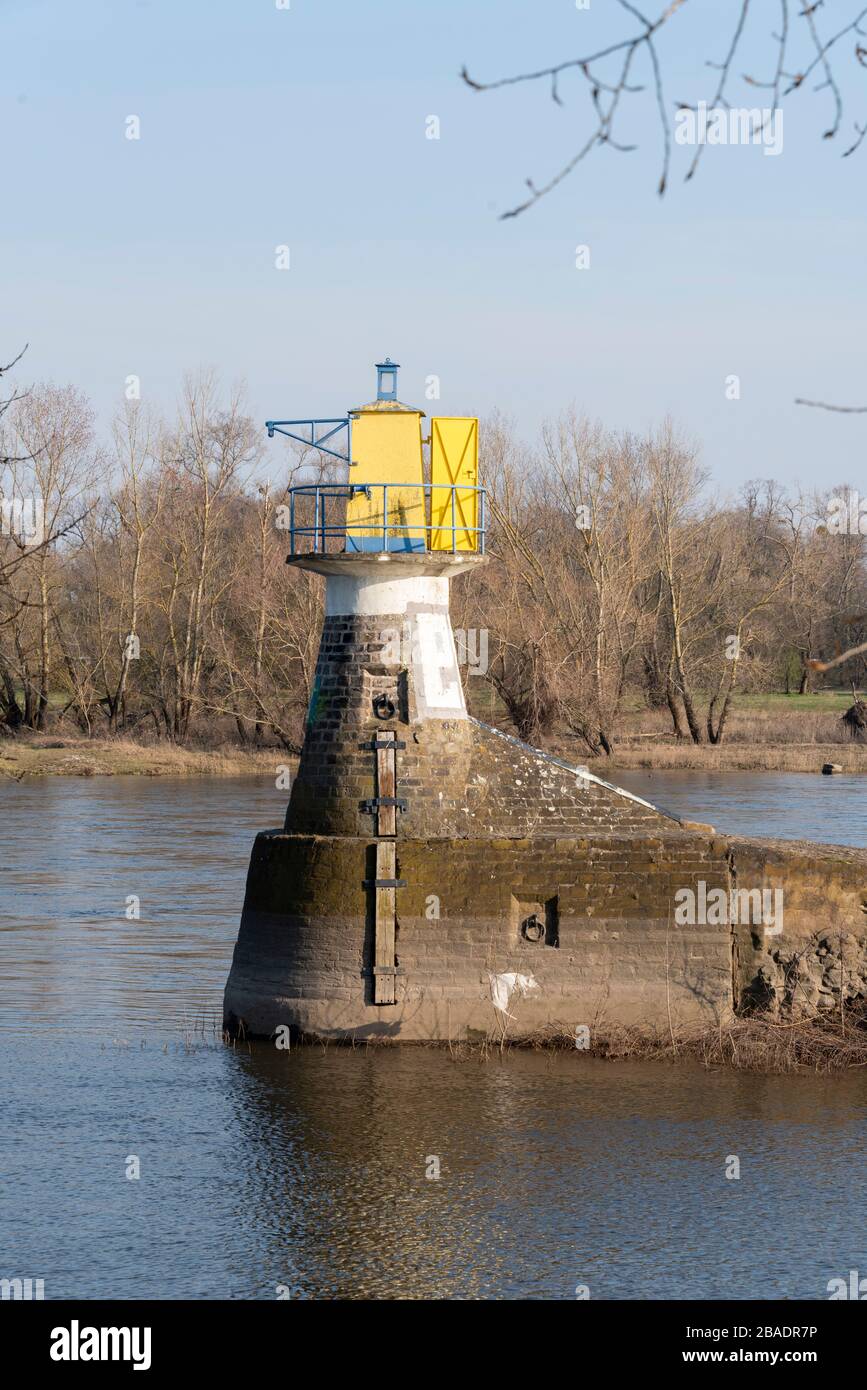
(519, 893)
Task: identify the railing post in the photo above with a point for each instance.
(292, 522)
(316, 521)
(385, 517)
(454, 533)
(481, 541)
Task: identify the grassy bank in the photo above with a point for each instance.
(729, 757)
(765, 733)
(79, 757)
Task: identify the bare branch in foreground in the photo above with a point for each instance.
(606, 90)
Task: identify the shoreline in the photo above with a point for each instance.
(761, 1043)
(80, 757)
(733, 757)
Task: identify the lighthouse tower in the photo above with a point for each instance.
(434, 877)
(388, 704)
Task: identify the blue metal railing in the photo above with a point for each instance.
(398, 532)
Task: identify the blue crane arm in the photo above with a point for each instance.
(281, 427)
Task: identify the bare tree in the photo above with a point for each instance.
(205, 460)
(138, 502)
(680, 538)
(55, 463)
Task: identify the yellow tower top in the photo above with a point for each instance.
(390, 505)
(386, 509)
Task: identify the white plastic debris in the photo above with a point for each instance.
(504, 986)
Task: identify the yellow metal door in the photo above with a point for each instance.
(454, 464)
(386, 449)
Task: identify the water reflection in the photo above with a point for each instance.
(555, 1172)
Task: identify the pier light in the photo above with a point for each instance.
(388, 503)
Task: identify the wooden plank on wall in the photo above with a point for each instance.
(386, 781)
(383, 955)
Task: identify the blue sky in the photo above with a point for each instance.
(306, 127)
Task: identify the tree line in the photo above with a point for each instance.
(621, 575)
(155, 600)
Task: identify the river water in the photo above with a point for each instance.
(311, 1174)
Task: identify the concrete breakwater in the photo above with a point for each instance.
(575, 929)
(435, 879)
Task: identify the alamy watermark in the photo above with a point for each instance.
(735, 125)
(23, 518)
(855, 1288)
(846, 516)
(77, 1343)
(405, 647)
(22, 1289)
(716, 907)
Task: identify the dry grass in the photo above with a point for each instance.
(121, 757)
(764, 734)
(780, 721)
(728, 757)
(771, 733)
(755, 1043)
(80, 757)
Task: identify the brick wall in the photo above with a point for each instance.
(458, 777)
(304, 951)
(336, 771)
(305, 947)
